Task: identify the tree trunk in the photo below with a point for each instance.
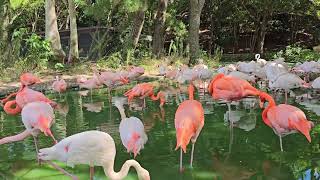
(194, 25)
(159, 29)
(137, 26)
(73, 53)
(262, 34)
(4, 25)
(52, 33)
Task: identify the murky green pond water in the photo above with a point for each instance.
(252, 152)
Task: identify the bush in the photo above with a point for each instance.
(298, 54)
(113, 61)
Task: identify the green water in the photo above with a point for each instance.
(253, 154)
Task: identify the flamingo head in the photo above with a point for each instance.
(47, 154)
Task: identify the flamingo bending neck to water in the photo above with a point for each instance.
(144, 90)
(94, 148)
(189, 121)
(284, 119)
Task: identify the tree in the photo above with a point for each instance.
(52, 33)
(194, 25)
(73, 53)
(158, 34)
(137, 24)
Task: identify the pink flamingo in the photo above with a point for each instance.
(94, 148)
(189, 121)
(90, 84)
(284, 119)
(131, 130)
(27, 79)
(59, 85)
(144, 90)
(23, 97)
(37, 117)
(230, 89)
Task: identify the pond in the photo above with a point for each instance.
(252, 151)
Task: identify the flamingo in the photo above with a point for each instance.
(284, 119)
(143, 90)
(37, 117)
(316, 83)
(286, 82)
(27, 79)
(261, 62)
(230, 89)
(90, 84)
(94, 148)
(189, 121)
(243, 76)
(131, 130)
(23, 97)
(59, 85)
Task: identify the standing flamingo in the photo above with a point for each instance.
(94, 148)
(131, 130)
(144, 90)
(284, 119)
(23, 97)
(230, 89)
(189, 120)
(36, 117)
(90, 84)
(59, 85)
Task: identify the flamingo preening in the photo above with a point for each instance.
(284, 119)
(94, 148)
(37, 117)
(144, 90)
(59, 85)
(189, 121)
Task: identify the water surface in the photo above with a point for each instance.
(251, 152)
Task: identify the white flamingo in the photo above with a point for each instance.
(131, 130)
(93, 148)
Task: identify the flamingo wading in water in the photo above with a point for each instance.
(284, 119)
(189, 121)
(94, 148)
(131, 130)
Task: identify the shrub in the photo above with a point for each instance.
(297, 54)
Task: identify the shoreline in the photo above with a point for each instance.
(45, 84)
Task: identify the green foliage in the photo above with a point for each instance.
(59, 66)
(113, 61)
(298, 54)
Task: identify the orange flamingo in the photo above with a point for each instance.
(23, 97)
(27, 79)
(189, 120)
(230, 89)
(284, 119)
(144, 90)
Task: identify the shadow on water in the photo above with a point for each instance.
(251, 151)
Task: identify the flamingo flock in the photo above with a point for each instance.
(227, 84)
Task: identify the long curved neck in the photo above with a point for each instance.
(271, 103)
(19, 137)
(191, 91)
(121, 110)
(108, 169)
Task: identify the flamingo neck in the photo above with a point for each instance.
(121, 110)
(109, 171)
(19, 137)
(12, 111)
(271, 103)
(191, 91)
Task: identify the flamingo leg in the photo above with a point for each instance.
(109, 92)
(91, 94)
(91, 172)
(181, 160)
(37, 149)
(191, 159)
(144, 102)
(280, 138)
(62, 170)
(286, 96)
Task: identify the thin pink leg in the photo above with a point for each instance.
(62, 170)
(91, 172)
(37, 149)
(181, 169)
